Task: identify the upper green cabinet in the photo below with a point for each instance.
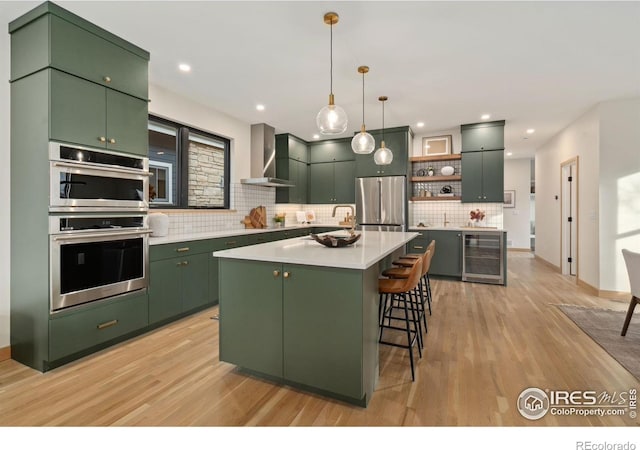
(86, 113)
(332, 182)
(483, 176)
(477, 137)
(399, 141)
(330, 150)
(291, 164)
(50, 36)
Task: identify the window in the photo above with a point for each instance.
(189, 167)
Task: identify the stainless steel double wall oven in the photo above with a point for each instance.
(98, 233)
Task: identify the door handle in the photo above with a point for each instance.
(111, 323)
(182, 249)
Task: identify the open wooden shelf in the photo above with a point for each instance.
(436, 179)
(434, 198)
(436, 158)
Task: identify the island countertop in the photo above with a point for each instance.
(368, 250)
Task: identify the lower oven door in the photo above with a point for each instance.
(91, 266)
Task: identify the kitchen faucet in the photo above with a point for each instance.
(351, 218)
(445, 220)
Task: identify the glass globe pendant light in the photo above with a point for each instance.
(363, 143)
(383, 156)
(331, 119)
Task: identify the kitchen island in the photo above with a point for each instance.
(300, 313)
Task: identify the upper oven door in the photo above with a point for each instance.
(75, 185)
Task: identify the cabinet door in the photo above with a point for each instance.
(479, 137)
(366, 166)
(321, 185)
(345, 184)
(194, 281)
(418, 245)
(77, 110)
(447, 259)
(397, 141)
(298, 150)
(127, 119)
(302, 180)
(164, 289)
(251, 315)
(213, 278)
(493, 176)
(328, 151)
(323, 328)
(89, 56)
(472, 169)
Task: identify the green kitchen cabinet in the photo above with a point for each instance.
(483, 179)
(447, 259)
(89, 114)
(419, 244)
(50, 36)
(296, 172)
(251, 333)
(399, 141)
(331, 150)
(89, 326)
(289, 146)
(178, 284)
(477, 137)
(332, 182)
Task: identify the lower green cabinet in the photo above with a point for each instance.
(194, 281)
(324, 338)
(447, 259)
(164, 290)
(74, 331)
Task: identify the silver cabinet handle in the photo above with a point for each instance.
(286, 274)
(182, 263)
(182, 249)
(106, 79)
(230, 242)
(111, 323)
(276, 273)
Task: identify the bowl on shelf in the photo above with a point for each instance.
(447, 171)
(334, 241)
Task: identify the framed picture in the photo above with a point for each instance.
(436, 145)
(509, 199)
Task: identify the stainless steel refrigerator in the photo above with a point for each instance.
(381, 203)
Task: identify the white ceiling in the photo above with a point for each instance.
(534, 64)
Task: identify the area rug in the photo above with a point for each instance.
(604, 327)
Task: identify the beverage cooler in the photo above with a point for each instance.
(483, 256)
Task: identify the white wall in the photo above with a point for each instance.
(619, 189)
(580, 138)
(517, 176)
(169, 105)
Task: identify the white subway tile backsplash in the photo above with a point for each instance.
(432, 213)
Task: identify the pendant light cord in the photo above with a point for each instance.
(383, 121)
(362, 99)
(331, 58)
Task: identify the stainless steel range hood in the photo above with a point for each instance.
(263, 158)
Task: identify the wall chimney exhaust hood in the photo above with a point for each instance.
(263, 158)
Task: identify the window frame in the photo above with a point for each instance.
(182, 167)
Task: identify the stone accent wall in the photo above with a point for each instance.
(206, 173)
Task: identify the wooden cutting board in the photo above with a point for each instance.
(258, 217)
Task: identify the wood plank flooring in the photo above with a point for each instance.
(485, 345)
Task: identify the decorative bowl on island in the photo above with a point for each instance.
(334, 240)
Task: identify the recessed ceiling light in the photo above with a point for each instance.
(184, 67)
(260, 107)
(509, 153)
(420, 124)
(531, 131)
(485, 116)
(316, 136)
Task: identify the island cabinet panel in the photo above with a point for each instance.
(86, 327)
(483, 179)
(323, 329)
(447, 259)
(88, 114)
(251, 332)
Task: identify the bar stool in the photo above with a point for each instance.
(395, 294)
(403, 273)
(408, 259)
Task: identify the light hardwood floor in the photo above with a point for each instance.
(485, 345)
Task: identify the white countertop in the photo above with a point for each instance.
(478, 229)
(185, 237)
(368, 250)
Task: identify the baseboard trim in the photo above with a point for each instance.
(591, 289)
(615, 295)
(518, 249)
(5, 353)
(547, 263)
